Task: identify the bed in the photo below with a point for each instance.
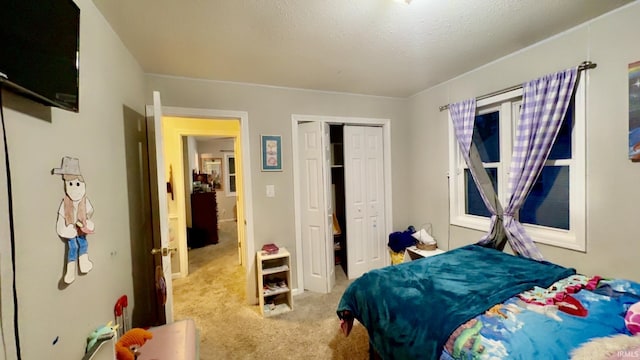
(476, 302)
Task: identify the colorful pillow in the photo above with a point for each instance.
(632, 318)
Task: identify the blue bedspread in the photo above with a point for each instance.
(410, 309)
(517, 330)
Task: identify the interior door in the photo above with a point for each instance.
(378, 250)
(364, 199)
(161, 251)
(329, 250)
(317, 239)
(148, 310)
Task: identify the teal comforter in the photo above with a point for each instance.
(410, 309)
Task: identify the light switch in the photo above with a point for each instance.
(271, 191)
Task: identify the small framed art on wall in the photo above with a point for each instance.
(271, 152)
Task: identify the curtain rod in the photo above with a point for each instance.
(585, 65)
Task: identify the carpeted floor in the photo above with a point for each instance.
(213, 295)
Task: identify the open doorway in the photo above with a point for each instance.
(210, 188)
(189, 181)
(178, 122)
(196, 176)
(210, 194)
(144, 154)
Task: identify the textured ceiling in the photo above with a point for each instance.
(375, 47)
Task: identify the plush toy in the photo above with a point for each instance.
(127, 346)
(632, 319)
(101, 333)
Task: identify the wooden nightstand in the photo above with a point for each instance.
(413, 253)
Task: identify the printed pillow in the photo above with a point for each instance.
(632, 318)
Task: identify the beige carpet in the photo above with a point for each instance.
(213, 295)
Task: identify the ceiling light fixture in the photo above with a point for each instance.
(403, 1)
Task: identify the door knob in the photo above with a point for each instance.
(164, 251)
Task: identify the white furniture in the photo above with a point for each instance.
(413, 253)
(274, 282)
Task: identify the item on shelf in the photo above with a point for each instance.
(424, 240)
(270, 249)
(269, 306)
(400, 240)
(336, 226)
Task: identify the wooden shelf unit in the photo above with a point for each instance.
(274, 269)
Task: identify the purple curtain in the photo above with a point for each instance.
(463, 116)
(545, 102)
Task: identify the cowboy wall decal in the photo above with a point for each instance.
(74, 216)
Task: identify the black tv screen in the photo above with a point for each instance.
(39, 48)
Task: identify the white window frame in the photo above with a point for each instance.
(227, 175)
(575, 237)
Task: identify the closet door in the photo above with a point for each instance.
(364, 198)
(315, 201)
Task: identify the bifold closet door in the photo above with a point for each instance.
(315, 203)
(364, 198)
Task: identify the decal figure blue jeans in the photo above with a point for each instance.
(77, 246)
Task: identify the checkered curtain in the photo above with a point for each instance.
(544, 104)
(463, 117)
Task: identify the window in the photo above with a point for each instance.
(554, 211)
(230, 174)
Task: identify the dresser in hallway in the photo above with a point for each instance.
(204, 218)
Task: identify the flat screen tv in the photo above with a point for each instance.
(39, 48)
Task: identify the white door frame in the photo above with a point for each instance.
(243, 117)
(9, 345)
(338, 120)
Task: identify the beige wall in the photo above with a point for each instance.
(270, 110)
(38, 138)
(612, 190)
